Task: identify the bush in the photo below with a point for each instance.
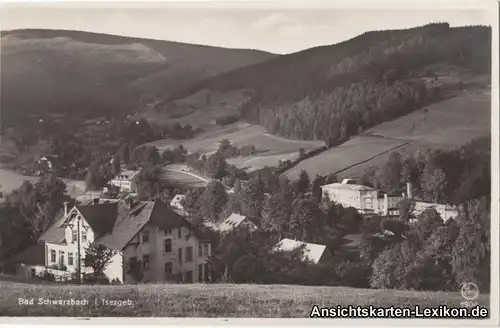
(95, 280)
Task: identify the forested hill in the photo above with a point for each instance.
(83, 73)
(332, 92)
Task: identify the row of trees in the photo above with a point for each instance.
(438, 175)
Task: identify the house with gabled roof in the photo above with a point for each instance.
(235, 221)
(165, 244)
(314, 253)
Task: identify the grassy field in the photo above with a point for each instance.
(10, 180)
(177, 175)
(197, 300)
(447, 124)
(356, 150)
(271, 148)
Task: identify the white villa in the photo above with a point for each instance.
(367, 201)
(166, 244)
(125, 181)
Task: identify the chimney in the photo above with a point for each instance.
(65, 208)
(409, 190)
(386, 205)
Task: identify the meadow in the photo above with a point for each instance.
(10, 180)
(356, 150)
(447, 124)
(199, 300)
(270, 148)
(177, 175)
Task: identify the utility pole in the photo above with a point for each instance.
(79, 268)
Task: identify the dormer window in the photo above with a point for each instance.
(74, 236)
(145, 237)
(84, 236)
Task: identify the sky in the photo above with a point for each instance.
(266, 28)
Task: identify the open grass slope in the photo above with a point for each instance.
(71, 71)
(270, 148)
(447, 124)
(180, 176)
(166, 300)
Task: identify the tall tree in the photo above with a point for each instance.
(433, 184)
(98, 257)
(216, 166)
(212, 200)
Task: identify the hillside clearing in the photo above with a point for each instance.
(447, 124)
(271, 148)
(356, 150)
(198, 300)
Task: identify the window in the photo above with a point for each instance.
(145, 262)
(33, 273)
(52, 255)
(70, 258)
(145, 237)
(168, 268)
(206, 273)
(189, 254)
(168, 245)
(200, 273)
(189, 277)
(179, 232)
(200, 250)
(73, 236)
(61, 257)
(84, 236)
(180, 255)
(205, 249)
(168, 232)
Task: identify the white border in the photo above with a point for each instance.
(490, 5)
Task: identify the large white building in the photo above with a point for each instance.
(367, 201)
(167, 246)
(125, 181)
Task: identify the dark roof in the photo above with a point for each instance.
(33, 255)
(55, 233)
(100, 217)
(116, 223)
(130, 222)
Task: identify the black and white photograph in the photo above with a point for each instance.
(243, 160)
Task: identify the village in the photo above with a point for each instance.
(166, 245)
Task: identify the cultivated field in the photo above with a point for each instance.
(179, 175)
(447, 124)
(197, 300)
(271, 148)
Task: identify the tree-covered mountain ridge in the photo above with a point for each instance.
(332, 92)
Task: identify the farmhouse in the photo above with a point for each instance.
(235, 221)
(315, 253)
(125, 181)
(165, 244)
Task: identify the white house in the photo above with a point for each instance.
(166, 244)
(238, 221)
(315, 253)
(125, 181)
